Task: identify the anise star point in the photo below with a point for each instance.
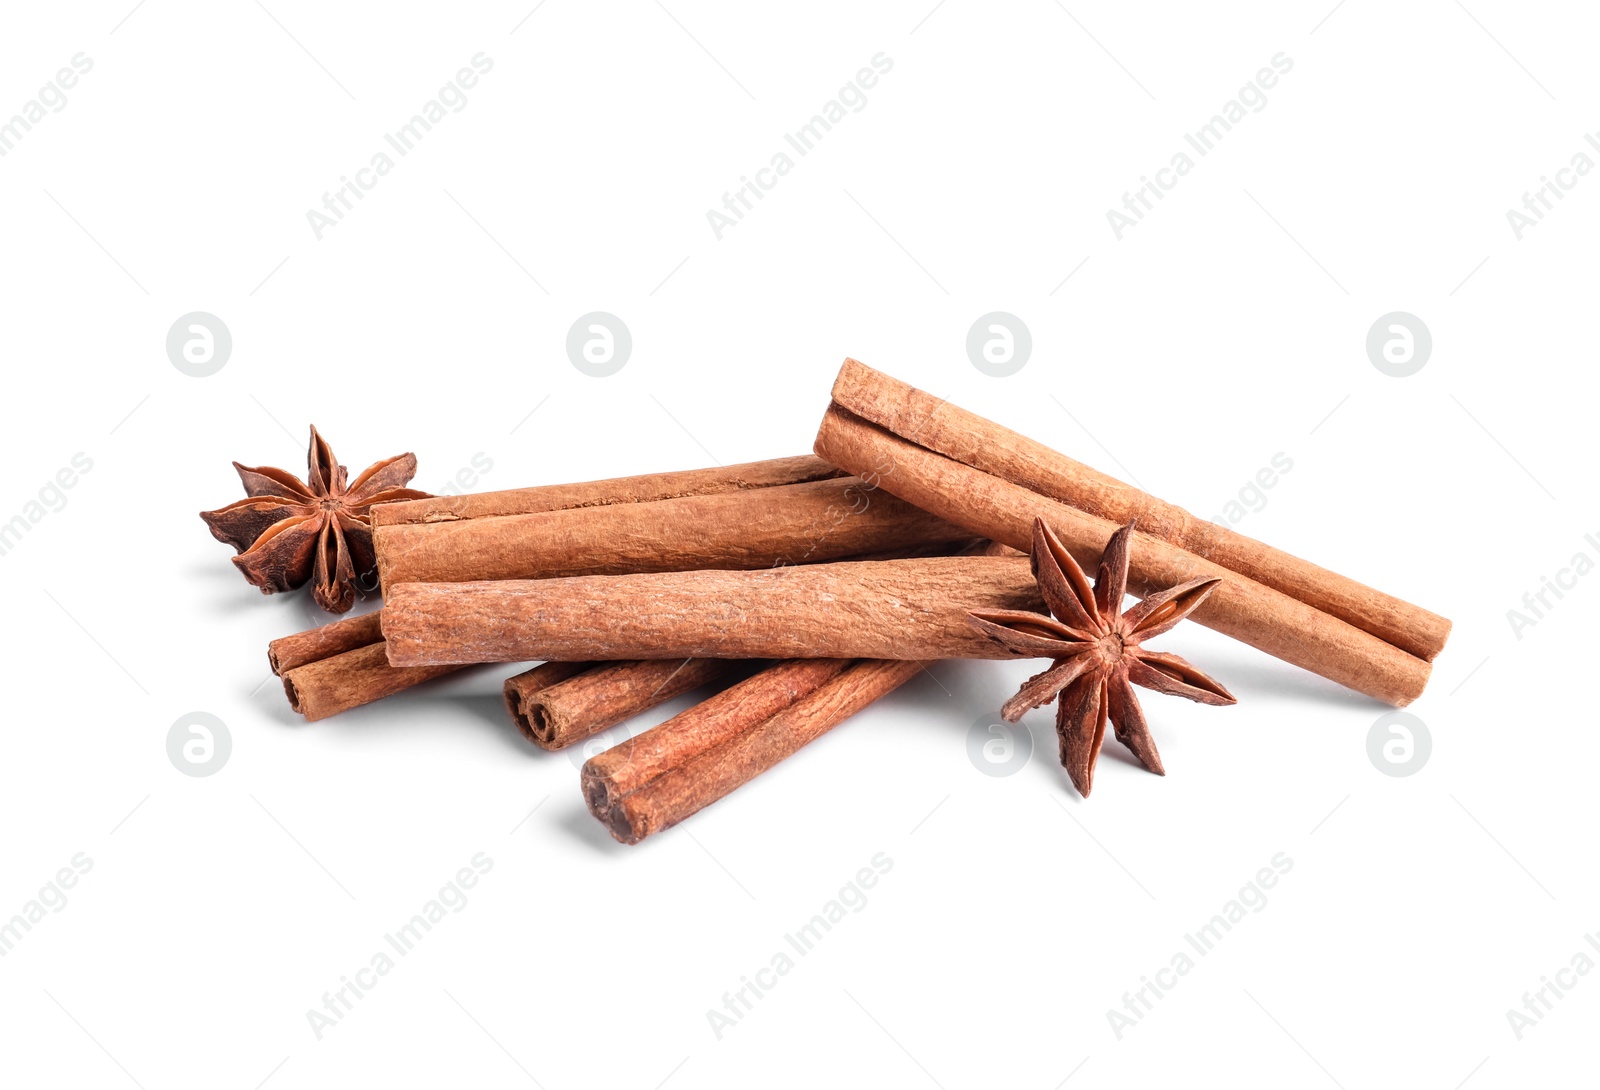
(288, 531)
(1098, 652)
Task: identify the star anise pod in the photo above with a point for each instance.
(1098, 652)
(288, 531)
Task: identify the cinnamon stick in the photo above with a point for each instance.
(655, 780)
(890, 609)
(556, 710)
(585, 699)
(641, 489)
(347, 682)
(750, 528)
(1242, 608)
(328, 670)
(939, 426)
(324, 641)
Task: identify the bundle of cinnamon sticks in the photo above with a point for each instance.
(839, 575)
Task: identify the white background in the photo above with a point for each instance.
(1227, 327)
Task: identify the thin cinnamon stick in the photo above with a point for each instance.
(1242, 608)
(655, 780)
(324, 641)
(750, 528)
(350, 679)
(641, 489)
(890, 609)
(947, 429)
(556, 714)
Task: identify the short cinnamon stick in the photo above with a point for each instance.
(343, 665)
(641, 489)
(1242, 608)
(324, 641)
(350, 679)
(890, 609)
(655, 780)
(751, 528)
(966, 437)
(554, 714)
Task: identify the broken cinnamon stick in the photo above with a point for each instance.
(750, 528)
(554, 714)
(966, 437)
(644, 488)
(656, 779)
(1242, 608)
(889, 609)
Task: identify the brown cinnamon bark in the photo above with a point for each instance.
(641, 489)
(655, 780)
(946, 429)
(554, 714)
(751, 528)
(343, 665)
(891, 609)
(1242, 608)
(348, 682)
(324, 641)
(350, 679)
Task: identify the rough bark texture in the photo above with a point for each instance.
(641, 489)
(324, 641)
(752, 528)
(350, 679)
(1242, 608)
(889, 609)
(664, 775)
(361, 679)
(939, 426)
(594, 493)
(553, 714)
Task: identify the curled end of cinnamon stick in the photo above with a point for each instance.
(606, 805)
(291, 691)
(523, 694)
(529, 716)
